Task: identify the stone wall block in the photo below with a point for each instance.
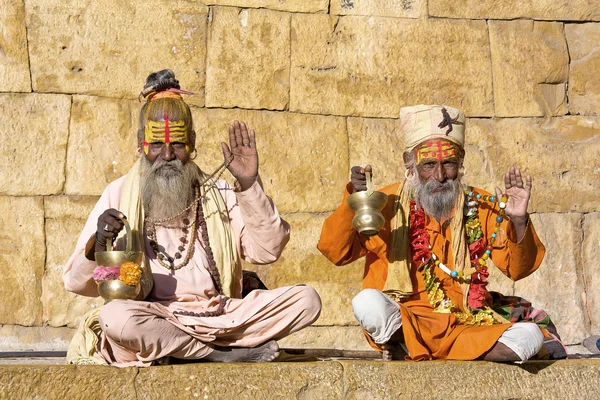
(22, 253)
(248, 59)
(303, 158)
(379, 143)
(301, 262)
(72, 207)
(439, 379)
(304, 6)
(108, 48)
(102, 144)
(34, 130)
(393, 8)
(67, 382)
(557, 286)
(557, 152)
(38, 338)
(591, 268)
(584, 80)
(530, 65)
(327, 337)
(564, 10)
(14, 59)
(223, 381)
(65, 218)
(370, 66)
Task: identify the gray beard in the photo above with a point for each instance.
(438, 199)
(167, 186)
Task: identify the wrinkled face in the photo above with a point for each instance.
(437, 160)
(167, 139)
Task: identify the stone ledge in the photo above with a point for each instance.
(344, 379)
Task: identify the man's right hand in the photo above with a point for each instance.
(110, 223)
(358, 178)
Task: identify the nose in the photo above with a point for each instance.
(167, 153)
(439, 173)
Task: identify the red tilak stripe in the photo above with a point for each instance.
(167, 130)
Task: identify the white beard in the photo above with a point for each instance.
(167, 186)
(438, 199)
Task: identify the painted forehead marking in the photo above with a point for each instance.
(436, 150)
(166, 131)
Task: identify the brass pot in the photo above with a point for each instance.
(115, 289)
(367, 207)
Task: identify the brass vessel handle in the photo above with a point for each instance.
(128, 234)
(369, 183)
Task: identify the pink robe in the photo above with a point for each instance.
(260, 235)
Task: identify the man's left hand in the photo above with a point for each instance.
(518, 192)
(242, 146)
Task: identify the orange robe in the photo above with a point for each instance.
(430, 335)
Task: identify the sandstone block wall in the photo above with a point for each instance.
(322, 82)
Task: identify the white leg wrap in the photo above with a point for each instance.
(524, 338)
(377, 314)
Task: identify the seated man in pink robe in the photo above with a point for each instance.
(194, 229)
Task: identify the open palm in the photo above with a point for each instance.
(518, 192)
(242, 146)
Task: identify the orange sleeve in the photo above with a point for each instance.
(339, 241)
(519, 260)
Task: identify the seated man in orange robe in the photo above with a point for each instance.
(426, 270)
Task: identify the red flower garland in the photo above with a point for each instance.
(419, 243)
(419, 238)
(477, 288)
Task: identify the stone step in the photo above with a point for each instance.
(335, 379)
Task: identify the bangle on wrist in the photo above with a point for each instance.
(99, 243)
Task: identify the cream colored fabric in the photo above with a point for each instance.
(398, 284)
(222, 238)
(131, 206)
(421, 123)
(83, 348)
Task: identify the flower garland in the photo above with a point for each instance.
(479, 252)
(129, 273)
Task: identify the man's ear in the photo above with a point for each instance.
(193, 139)
(406, 157)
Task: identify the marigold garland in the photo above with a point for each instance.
(130, 273)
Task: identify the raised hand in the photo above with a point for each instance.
(242, 145)
(518, 192)
(358, 178)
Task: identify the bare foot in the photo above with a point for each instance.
(393, 351)
(264, 353)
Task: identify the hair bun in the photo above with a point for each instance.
(158, 81)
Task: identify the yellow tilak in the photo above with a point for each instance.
(160, 132)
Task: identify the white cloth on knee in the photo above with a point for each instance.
(525, 339)
(377, 314)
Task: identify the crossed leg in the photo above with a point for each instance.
(139, 333)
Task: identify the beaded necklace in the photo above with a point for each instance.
(195, 207)
(197, 214)
(476, 275)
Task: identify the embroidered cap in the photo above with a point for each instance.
(426, 122)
